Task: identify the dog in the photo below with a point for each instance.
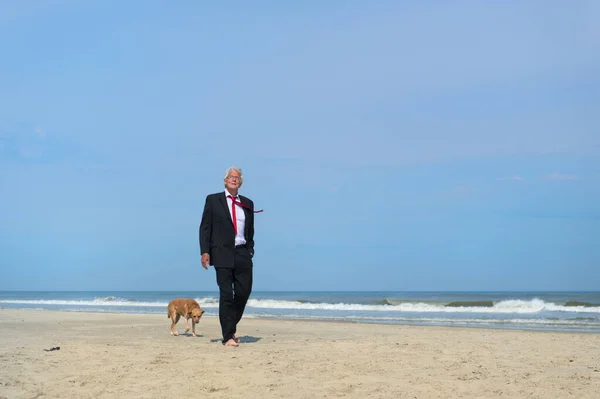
(189, 309)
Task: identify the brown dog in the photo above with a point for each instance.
(188, 308)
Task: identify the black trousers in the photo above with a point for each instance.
(235, 286)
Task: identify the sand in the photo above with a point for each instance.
(134, 356)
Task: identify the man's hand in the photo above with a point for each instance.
(205, 260)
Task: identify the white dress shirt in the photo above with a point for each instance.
(240, 216)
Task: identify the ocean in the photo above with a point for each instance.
(550, 311)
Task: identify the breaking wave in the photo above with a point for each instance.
(516, 306)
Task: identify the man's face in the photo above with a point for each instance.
(232, 181)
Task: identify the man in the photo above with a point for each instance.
(227, 243)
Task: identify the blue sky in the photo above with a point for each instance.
(392, 145)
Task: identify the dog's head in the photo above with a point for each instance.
(196, 314)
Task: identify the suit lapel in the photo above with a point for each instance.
(223, 201)
(246, 213)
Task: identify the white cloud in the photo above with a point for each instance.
(511, 178)
(560, 176)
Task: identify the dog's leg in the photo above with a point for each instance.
(174, 318)
(193, 328)
(187, 326)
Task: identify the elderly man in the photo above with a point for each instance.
(227, 243)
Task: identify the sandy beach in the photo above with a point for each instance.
(117, 356)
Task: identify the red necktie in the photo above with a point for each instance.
(233, 215)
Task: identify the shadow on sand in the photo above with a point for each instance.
(244, 339)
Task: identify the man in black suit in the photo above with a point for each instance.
(227, 243)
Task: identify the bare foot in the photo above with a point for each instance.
(231, 342)
(236, 339)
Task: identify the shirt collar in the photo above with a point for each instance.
(227, 193)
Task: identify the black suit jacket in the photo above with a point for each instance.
(217, 237)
